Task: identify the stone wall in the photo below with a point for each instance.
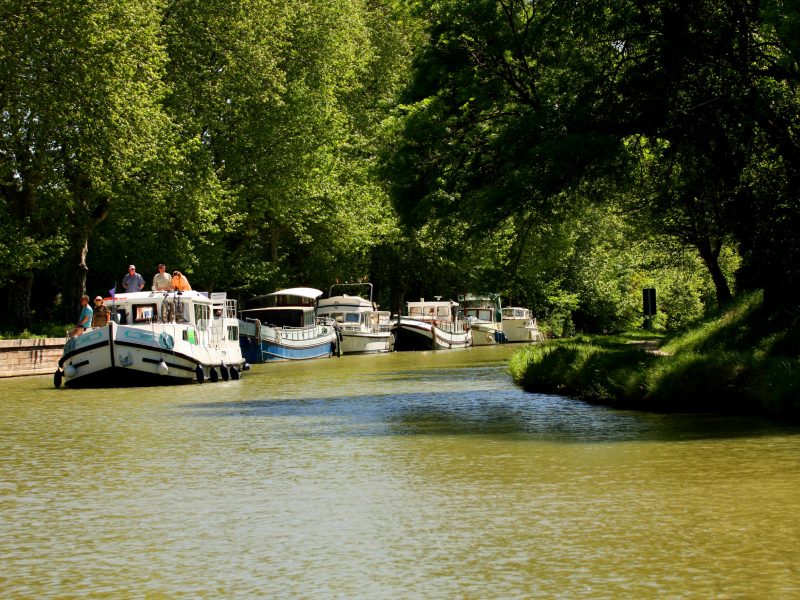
(30, 357)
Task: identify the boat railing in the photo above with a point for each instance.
(299, 334)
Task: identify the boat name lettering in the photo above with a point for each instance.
(139, 335)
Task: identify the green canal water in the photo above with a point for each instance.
(410, 475)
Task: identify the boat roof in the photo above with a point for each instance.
(344, 300)
(303, 292)
(423, 302)
(157, 295)
(364, 286)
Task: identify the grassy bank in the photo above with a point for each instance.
(37, 330)
(743, 360)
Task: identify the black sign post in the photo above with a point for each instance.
(649, 306)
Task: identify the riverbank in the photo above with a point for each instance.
(744, 360)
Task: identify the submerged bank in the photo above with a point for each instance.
(743, 360)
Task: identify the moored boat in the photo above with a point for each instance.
(284, 325)
(484, 318)
(518, 326)
(431, 325)
(156, 338)
(364, 329)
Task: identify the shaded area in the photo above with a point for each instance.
(504, 413)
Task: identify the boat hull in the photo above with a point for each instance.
(521, 331)
(123, 356)
(487, 334)
(367, 343)
(412, 334)
(264, 344)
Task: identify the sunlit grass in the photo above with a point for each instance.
(744, 359)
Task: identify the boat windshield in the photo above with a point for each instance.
(482, 314)
(286, 317)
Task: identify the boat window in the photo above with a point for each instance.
(415, 311)
(233, 333)
(201, 312)
(189, 335)
(121, 316)
(352, 318)
(443, 311)
(286, 300)
(144, 313)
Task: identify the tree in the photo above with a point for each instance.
(81, 87)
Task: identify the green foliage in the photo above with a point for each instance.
(40, 329)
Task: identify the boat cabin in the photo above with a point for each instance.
(482, 308)
(157, 307)
(512, 312)
(295, 307)
(438, 310)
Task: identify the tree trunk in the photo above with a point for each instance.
(710, 257)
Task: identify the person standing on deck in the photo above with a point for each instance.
(162, 282)
(179, 282)
(133, 282)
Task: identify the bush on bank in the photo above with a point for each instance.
(743, 360)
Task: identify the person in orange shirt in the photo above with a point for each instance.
(179, 282)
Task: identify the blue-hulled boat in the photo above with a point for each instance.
(284, 326)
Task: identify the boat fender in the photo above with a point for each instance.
(277, 336)
(234, 373)
(213, 375)
(58, 377)
(223, 370)
(70, 371)
(198, 371)
(163, 369)
(246, 366)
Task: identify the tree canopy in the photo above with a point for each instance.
(562, 154)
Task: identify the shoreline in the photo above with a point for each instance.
(32, 356)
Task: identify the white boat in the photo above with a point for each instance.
(431, 325)
(156, 338)
(518, 326)
(364, 329)
(284, 325)
(484, 318)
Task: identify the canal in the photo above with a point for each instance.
(409, 475)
